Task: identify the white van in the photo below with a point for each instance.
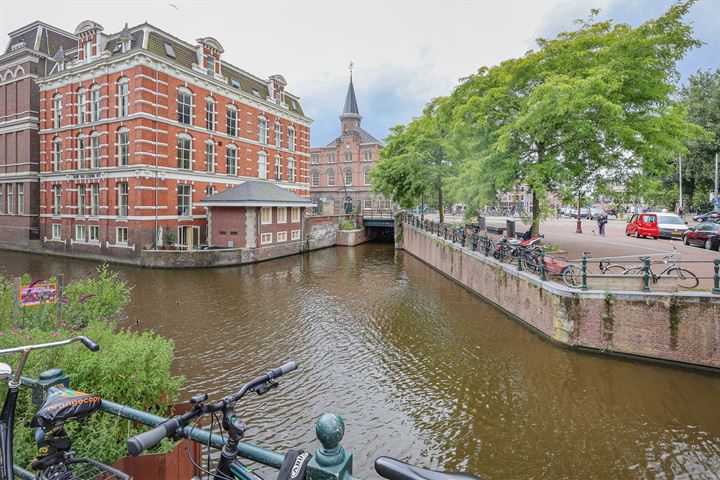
(671, 225)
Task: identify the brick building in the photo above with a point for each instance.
(138, 126)
(27, 58)
(340, 171)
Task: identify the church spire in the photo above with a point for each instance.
(350, 117)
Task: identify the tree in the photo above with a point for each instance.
(417, 160)
(593, 103)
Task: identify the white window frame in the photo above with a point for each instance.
(231, 116)
(57, 154)
(295, 215)
(291, 169)
(56, 231)
(263, 130)
(278, 135)
(81, 200)
(345, 177)
(314, 178)
(95, 150)
(123, 97)
(93, 233)
(20, 192)
(121, 238)
(262, 165)
(81, 233)
(185, 106)
(295, 235)
(210, 113)
(266, 216)
(123, 146)
(282, 215)
(57, 200)
(184, 145)
(81, 151)
(57, 111)
(231, 156)
(123, 199)
(266, 239)
(210, 156)
(81, 106)
(281, 237)
(10, 194)
(210, 61)
(184, 210)
(331, 178)
(278, 167)
(291, 139)
(94, 199)
(95, 103)
(366, 177)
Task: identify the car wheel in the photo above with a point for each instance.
(686, 241)
(637, 233)
(708, 244)
(627, 233)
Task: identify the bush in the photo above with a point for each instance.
(347, 225)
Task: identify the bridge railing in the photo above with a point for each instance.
(330, 460)
(378, 213)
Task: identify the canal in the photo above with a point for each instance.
(419, 368)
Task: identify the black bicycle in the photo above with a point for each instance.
(55, 459)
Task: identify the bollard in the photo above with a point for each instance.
(510, 228)
(646, 274)
(331, 456)
(47, 379)
(716, 277)
(481, 223)
(542, 265)
(584, 272)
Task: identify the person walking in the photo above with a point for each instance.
(601, 221)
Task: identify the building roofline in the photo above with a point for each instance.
(40, 22)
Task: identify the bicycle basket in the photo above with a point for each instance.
(88, 469)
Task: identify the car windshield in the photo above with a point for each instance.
(672, 219)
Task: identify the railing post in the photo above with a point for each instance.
(716, 277)
(584, 272)
(542, 265)
(486, 243)
(331, 457)
(646, 274)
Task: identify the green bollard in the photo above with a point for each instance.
(330, 457)
(542, 265)
(584, 272)
(716, 277)
(646, 274)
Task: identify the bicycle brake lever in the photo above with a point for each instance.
(265, 387)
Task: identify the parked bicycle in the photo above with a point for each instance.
(684, 277)
(55, 460)
(572, 273)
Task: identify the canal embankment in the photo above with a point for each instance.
(677, 327)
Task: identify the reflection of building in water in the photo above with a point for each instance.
(340, 171)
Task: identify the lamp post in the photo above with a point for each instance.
(680, 205)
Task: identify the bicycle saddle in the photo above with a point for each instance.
(396, 470)
(64, 404)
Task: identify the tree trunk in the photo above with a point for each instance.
(440, 205)
(535, 215)
(578, 227)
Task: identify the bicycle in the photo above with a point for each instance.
(55, 459)
(685, 278)
(572, 274)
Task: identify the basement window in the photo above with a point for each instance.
(169, 50)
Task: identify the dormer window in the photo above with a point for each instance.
(169, 50)
(87, 50)
(210, 65)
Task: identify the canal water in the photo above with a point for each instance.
(418, 367)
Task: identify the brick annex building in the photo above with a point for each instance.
(135, 129)
(340, 171)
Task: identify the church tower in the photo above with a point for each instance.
(350, 117)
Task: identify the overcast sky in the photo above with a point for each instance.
(404, 52)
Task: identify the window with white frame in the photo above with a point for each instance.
(57, 200)
(123, 95)
(281, 237)
(282, 215)
(348, 156)
(184, 151)
(57, 154)
(331, 178)
(210, 65)
(295, 235)
(367, 202)
(10, 199)
(123, 197)
(95, 149)
(80, 233)
(184, 106)
(265, 238)
(295, 215)
(314, 158)
(81, 151)
(81, 200)
(209, 190)
(121, 235)
(262, 165)
(291, 169)
(291, 139)
(184, 200)
(278, 167)
(81, 106)
(210, 113)
(368, 156)
(95, 103)
(57, 111)
(94, 231)
(123, 146)
(315, 178)
(2, 199)
(87, 51)
(232, 120)
(278, 135)
(266, 216)
(210, 156)
(56, 231)
(348, 176)
(231, 160)
(262, 130)
(95, 199)
(20, 199)
(366, 177)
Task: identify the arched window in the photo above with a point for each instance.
(123, 97)
(185, 105)
(331, 178)
(348, 205)
(278, 135)
(368, 202)
(278, 167)
(81, 151)
(262, 130)
(291, 169)
(95, 149)
(232, 120)
(210, 156)
(291, 139)
(95, 103)
(122, 200)
(210, 113)
(57, 111)
(184, 151)
(123, 146)
(231, 160)
(318, 205)
(348, 176)
(262, 165)
(57, 154)
(81, 106)
(315, 178)
(366, 176)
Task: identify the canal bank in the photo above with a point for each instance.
(682, 328)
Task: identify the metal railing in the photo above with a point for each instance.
(378, 213)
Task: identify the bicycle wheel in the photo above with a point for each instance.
(685, 278)
(616, 270)
(572, 276)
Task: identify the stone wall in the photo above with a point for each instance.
(679, 327)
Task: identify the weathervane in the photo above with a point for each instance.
(351, 67)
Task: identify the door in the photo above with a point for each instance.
(631, 226)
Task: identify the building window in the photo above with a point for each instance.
(278, 167)
(169, 50)
(57, 111)
(94, 233)
(82, 106)
(81, 200)
(210, 65)
(262, 130)
(210, 114)
(291, 169)
(95, 199)
(123, 146)
(278, 135)
(368, 156)
(232, 121)
(262, 165)
(10, 199)
(295, 215)
(121, 235)
(366, 175)
(123, 89)
(210, 156)
(295, 235)
(348, 156)
(57, 200)
(231, 160)
(282, 215)
(81, 151)
(331, 158)
(184, 105)
(331, 178)
(57, 154)
(348, 176)
(184, 151)
(20, 199)
(87, 51)
(291, 139)
(209, 190)
(56, 231)
(184, 200)
(2, 205)
(266, 216)
(315, 176)
(314, 158)
(281, 237)
(367, 203)
(80, 233)
(265, 238)
(122, 199)
(95, 103)
(95, 150)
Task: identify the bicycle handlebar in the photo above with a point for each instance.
(27, 348)
(149, 439)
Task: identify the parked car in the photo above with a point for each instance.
(704, 235)
(643, 225)
(704, 217)
(671, 225)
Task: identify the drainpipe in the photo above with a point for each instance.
(157, 127)
(302, 228)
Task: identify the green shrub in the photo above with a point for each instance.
(347, 225)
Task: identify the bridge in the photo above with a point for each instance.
(378, 217)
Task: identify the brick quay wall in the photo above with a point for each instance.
(682, 328)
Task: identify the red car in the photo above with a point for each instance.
(704, 235)
(643, 225)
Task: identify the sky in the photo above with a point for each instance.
(404, 52)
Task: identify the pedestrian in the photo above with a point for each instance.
(601, 221)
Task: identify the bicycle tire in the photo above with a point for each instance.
(686, 278)
(572, 276)
(616, 269)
